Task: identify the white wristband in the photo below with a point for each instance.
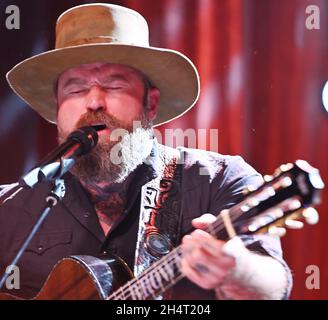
(262, 275)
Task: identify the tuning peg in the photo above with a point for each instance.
(293, 204)
(277, 172)
(268, 178)
(286, 167)
(294, 224)
(283, 168)
(286, 182)
(249, 189)
(277, 231)
(311, 215)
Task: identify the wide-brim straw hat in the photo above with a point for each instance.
(106, 33)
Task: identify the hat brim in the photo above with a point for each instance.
(176, 77)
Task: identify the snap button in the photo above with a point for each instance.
(87, 214)
(40, 248)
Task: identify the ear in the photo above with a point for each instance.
(153, 96)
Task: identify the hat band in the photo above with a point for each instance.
(99, 39)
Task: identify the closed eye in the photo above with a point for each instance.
(77, 91)
(115, 84)
(113, 88)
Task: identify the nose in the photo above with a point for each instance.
(96, 99)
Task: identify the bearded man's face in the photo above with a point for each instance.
(114, 95)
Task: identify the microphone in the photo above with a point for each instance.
(62, 158)
(78, 143)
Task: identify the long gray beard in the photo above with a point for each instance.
(113, 161)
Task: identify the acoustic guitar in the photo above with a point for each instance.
(279, 203)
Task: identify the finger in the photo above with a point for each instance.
(206, 280)
(188, 245)
(203, 221)
(201, 267)
(193, 252)
(186, 238)
(210, 244)
(198, 256)
(201, 246)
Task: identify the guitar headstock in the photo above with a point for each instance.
(282, 200)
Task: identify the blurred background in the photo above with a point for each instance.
(262, 77)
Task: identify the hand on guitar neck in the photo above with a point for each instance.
(230, 268)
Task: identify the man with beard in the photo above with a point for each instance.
(132, 196)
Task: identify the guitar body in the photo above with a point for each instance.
(82, 277)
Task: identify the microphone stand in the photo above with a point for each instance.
(84, 140)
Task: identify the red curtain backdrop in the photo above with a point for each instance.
(262, 74)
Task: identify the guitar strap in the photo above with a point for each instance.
(160, 210)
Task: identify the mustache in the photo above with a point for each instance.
(101, 117)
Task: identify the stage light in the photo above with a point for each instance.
(325, 96)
